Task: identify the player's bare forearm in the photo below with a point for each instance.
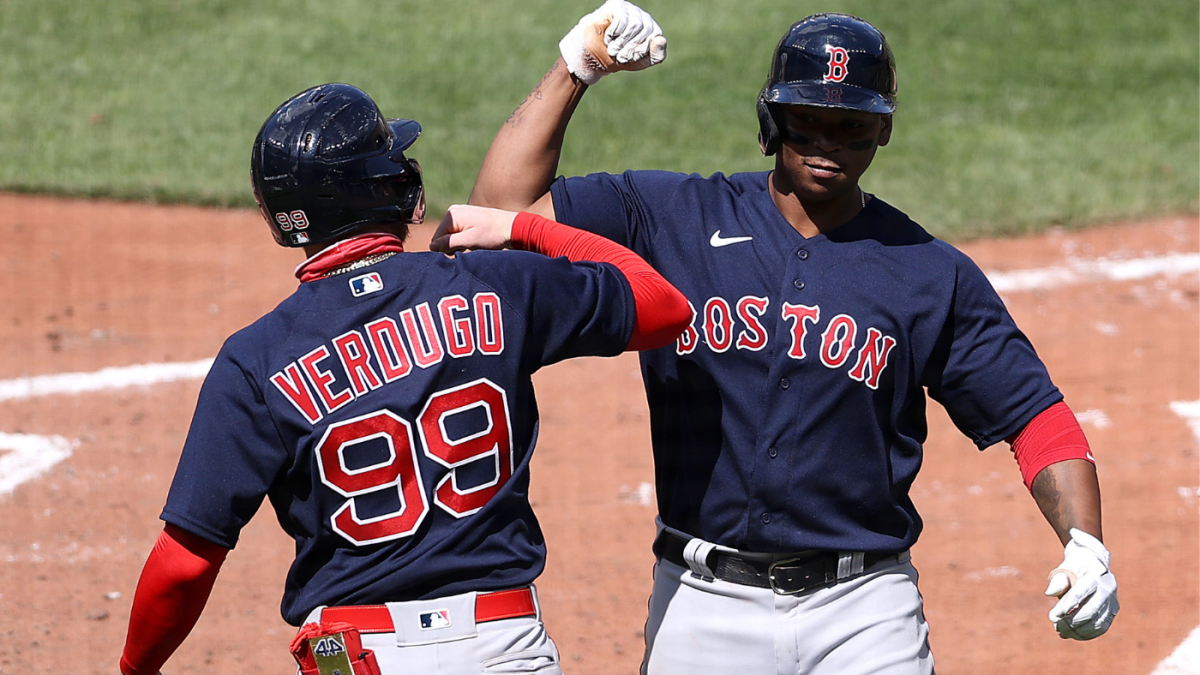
(523, 159)
(1068, 493)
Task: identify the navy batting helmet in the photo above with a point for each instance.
(830, 61)
(326, 162)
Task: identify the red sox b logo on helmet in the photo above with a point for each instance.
(839, 58)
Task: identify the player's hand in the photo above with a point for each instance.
(1087, 591)
(468, 227)
(617, 36)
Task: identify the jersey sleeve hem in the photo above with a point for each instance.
(993, 437)
(198, 529)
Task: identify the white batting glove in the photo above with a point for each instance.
(467, 227)
(617, 36)
(1087, 591)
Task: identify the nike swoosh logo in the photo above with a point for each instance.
(718, 241)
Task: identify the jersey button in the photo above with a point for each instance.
(766, 519)
(784, 384)
(802, 254)
(798, 284)
(772, 452)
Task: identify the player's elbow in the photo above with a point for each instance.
(501, 197)
(679, 313)
(671, 316)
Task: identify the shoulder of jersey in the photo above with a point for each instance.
(746, 181)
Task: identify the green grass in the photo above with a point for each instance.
(1013, 115)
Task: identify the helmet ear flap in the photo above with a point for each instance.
(768, 129)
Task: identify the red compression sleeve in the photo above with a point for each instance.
(662, 311)
(1053, 436)
(171, 593)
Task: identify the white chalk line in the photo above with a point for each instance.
(1102, 269)
(29, 456)
(24, 457)
(1190, 412)
(1185, 660)
(142, 375)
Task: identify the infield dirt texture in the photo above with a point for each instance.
(92, 285)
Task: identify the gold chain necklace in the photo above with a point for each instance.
(359, 264)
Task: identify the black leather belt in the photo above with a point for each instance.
(784, 573)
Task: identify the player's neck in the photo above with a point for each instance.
(348, 254)
(814, 217)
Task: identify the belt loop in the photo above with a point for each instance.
(850, 564)
(695, 554)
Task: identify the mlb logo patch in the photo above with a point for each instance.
(367, 283)
(438, 618)
(299, 238)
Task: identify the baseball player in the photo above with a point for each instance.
(386, 410)
(788, 419)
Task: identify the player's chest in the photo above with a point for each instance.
(804, 305)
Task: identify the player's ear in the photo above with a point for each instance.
(885, 131)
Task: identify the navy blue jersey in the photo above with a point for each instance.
(389, 415)
(791, 415)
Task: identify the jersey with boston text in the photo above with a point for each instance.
(791, 414)
(389, 416)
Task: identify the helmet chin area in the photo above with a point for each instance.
(418, 214)
(410, 192)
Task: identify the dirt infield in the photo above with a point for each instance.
(90, 285)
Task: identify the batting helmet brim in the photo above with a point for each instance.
(404, 134)
(824, 95)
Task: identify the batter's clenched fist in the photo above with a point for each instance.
(472, 227)
(1086, 589)
(617, 36)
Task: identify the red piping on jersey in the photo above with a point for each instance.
(347, 251)
(170, 596)
(1053, 436)
(662, 311)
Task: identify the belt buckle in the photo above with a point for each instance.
(828, 576)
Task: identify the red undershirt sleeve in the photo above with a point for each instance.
(171, 593)
(662, 311)
(1053, 436)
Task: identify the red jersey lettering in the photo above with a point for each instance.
(718, 324)
(753, 336)
(489, 323)
(800, 316)
(838, 340)
(688, 339)
(493, 440)
(352, 350)
(426, 347)
(460, 341)
(872, 358)
(390, 353)
(291, 384)
(399, 471)
(321, 379)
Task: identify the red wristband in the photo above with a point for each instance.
(1054, 435)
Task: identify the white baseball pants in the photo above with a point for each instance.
(869, 625)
